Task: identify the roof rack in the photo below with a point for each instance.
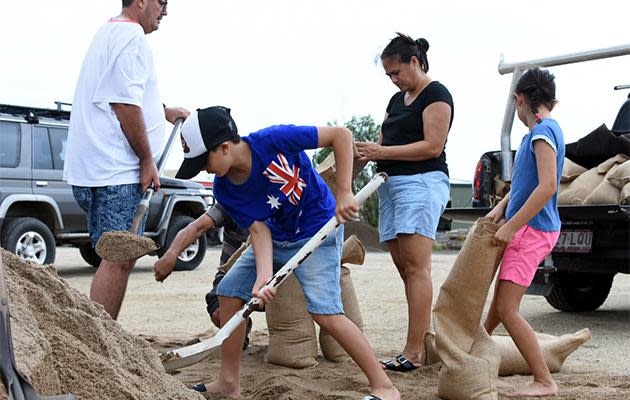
(32, 114)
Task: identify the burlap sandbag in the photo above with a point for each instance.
(624, 198)
(580, 188)
(605, 192)
(470, 358)
(570, 171)
(555, 351)
(612, 161)
(353, 251)
(292, 339)
(332, 350)
(620, 177)
(327, 169)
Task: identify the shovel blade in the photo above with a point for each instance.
(120, 246)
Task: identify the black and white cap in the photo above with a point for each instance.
(203, 130)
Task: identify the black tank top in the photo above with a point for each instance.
(404, 125)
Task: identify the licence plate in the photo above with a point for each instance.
(574, 242)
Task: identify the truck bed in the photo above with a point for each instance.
(599, 212)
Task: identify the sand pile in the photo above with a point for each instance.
(65, 343)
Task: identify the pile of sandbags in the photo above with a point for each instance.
(292, 335)
(607, 183)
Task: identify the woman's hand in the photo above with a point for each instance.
(346, 207)
(265, 295)
(370, 151)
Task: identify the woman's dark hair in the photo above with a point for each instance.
(404, 47)
(126, 3)
(538, 87)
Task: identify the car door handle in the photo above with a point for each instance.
(41, 183)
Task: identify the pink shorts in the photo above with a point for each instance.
(527, 249)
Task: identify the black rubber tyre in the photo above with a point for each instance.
(579, 292)
(191, 257)
(30, 239)
(89, 255)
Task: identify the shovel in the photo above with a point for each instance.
(189, 355)
(18, 388)
(120, 246)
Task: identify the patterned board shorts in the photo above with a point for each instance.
(109, 208)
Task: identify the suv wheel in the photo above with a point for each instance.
(192, 256)
(579, 291)
(30, 239)
(89, 255)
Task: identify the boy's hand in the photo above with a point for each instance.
(346, 207)
(265, 295)
(164, 266)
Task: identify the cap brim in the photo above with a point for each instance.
(192, 166)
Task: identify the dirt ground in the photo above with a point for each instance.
(172, 313)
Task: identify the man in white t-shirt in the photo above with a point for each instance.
(117, 130)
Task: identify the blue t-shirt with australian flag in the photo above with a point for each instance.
(283, 189)
(525, 175)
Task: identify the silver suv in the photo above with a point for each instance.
(37, 208)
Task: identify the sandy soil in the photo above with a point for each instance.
(172, 313)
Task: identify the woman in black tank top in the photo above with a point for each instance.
(410, 150)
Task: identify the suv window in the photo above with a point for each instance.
(49, 147)
(9, 144)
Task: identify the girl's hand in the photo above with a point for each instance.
(265, 295)
(504, 235)
(497, 213)
(369, 151)
(346, 206)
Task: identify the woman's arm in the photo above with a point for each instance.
(436, 120)
(547, 187)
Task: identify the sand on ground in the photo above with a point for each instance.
(172, 313)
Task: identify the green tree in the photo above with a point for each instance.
(364, 129)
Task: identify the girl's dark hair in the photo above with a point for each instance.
(538, 87)
(404, 47)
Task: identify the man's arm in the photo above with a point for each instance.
(184, 238)
(340, 139)
(132, 124)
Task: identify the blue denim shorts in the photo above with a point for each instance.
(109, 208)
(411, 204)
(318, 274)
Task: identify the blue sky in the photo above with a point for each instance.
(311, 62)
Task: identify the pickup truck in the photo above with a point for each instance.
(594, 239)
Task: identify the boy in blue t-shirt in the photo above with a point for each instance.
(268, 185)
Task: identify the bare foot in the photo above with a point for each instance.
(231, 391)
(537, 389)
(387, 394)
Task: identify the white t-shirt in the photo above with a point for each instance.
(118, 68)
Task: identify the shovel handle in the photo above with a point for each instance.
(143, 207)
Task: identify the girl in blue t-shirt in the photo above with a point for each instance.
(533, 223)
